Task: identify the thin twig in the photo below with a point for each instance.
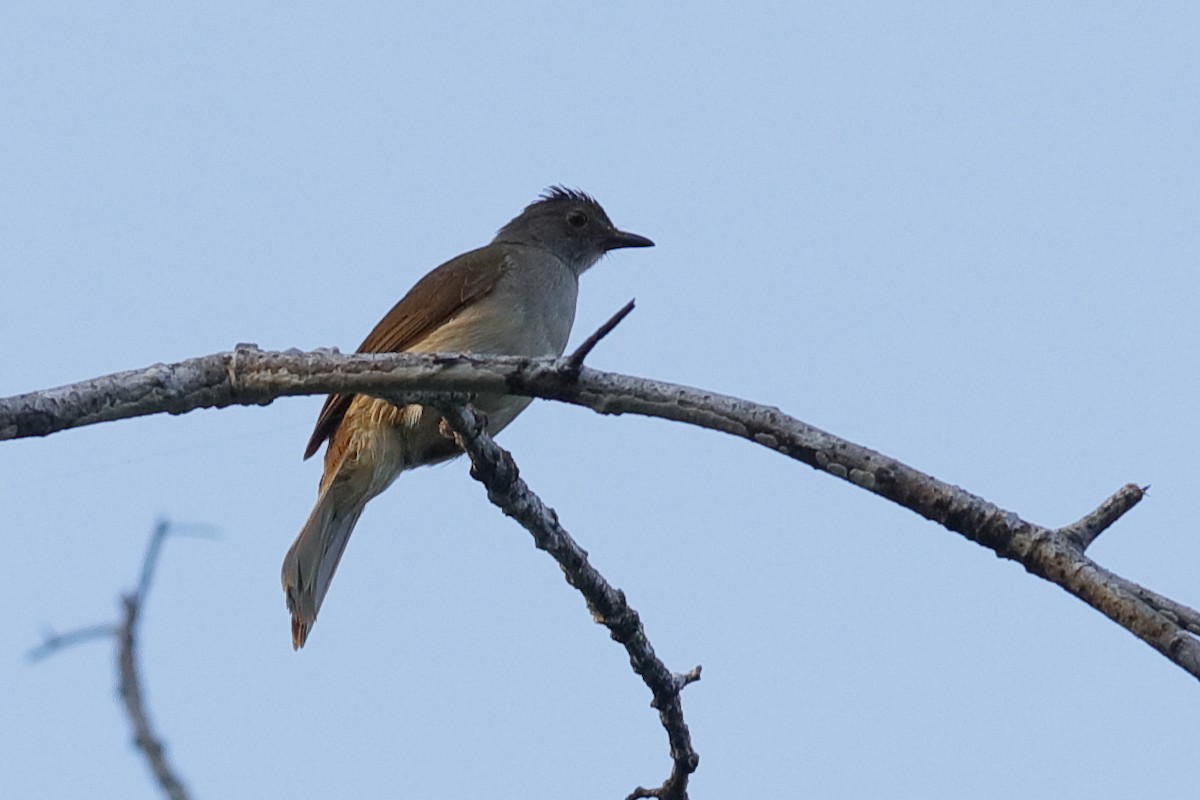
(150, 560)
(574, 362)
(494, 467)
(53, 642)
(129, 684)
(130, 689)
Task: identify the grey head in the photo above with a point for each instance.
(569, 224)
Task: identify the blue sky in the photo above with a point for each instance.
(963, 235)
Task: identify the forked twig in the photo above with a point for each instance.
(129, 682)
(494, 467)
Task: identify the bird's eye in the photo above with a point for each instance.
(577, 219)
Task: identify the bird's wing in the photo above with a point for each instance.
(436, 298)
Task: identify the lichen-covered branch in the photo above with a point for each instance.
(249, 376)
(494, 467)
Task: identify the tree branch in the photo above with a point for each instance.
(129, 685)
(1086, 530)
(494, 467)
(53, 642)
(574, 362)
(249, 376)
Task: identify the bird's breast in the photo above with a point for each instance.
(529, 313)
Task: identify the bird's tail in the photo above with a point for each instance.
(309, 565)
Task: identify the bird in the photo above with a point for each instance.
(513, 296)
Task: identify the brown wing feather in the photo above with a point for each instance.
(434, 299)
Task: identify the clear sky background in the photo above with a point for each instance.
(963, 234)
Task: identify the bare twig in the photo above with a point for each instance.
(129, 684)
(494, 467)
(1084, 531)
(574, 362)
(53, 642)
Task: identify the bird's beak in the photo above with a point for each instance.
(618, 239)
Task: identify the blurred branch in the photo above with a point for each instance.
(129, 686)
(249, 376)
(53, 642)
(494, 467)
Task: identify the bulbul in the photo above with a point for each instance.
(514, 296)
